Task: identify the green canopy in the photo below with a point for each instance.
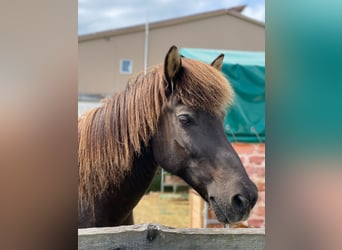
(245, 120)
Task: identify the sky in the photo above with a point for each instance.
(101, 15)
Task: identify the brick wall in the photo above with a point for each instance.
(253, 158)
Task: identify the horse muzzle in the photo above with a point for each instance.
(234, 209)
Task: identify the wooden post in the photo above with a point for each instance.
(196, 209)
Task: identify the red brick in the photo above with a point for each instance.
(260, 185)
(255, 170)
(261, 148)
(259, 182)
(257, 159)
(244, 159)
(261, 198)
(259, 211)
(257, 223)
(243, 148)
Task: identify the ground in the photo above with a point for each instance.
(169, 209)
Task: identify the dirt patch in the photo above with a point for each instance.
(169, 209)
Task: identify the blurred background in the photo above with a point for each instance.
(38, 109)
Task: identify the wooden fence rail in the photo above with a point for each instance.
(154, 236)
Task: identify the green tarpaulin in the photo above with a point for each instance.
(245, 120)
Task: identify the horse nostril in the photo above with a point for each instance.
(211, 198)
(240, 203)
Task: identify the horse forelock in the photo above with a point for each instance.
(203, 87)
(111, 136)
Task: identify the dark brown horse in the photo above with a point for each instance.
(171, 116)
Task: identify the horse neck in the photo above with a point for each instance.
(140, 176)
(144, 166)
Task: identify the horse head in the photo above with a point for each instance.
(190, 140)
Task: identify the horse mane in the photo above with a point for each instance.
(112, 135)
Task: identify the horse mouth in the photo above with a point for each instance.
(221, 216)
(226, 216)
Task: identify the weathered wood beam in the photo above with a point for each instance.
(154, 236)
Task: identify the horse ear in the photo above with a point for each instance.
(218, 62)
(172, 64)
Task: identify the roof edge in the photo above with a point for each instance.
(235, 11)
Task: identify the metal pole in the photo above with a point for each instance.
(146, 43)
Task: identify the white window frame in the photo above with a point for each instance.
(130, 68)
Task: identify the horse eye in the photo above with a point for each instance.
(185, 119)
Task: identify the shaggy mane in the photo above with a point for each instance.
(111, 136)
